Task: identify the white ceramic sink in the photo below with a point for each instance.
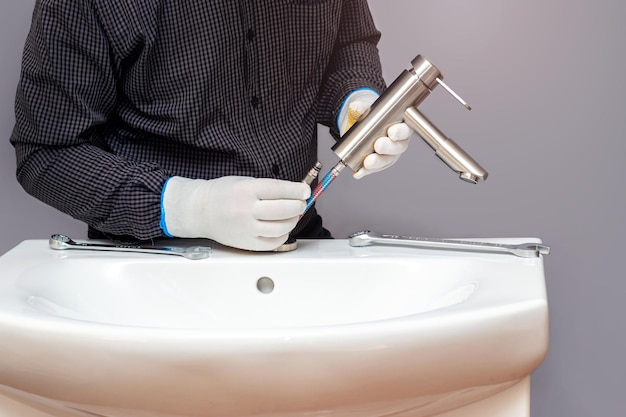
(326, 330)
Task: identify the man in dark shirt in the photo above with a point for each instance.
(151, 118)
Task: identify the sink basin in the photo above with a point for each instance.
(325, 330)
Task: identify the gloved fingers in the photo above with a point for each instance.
(396, 141)
(259, 235)
(226, 209)
(257, 244)
(273, 189)
(377, 162)
(355, 106)
(387, 150)
(278, 209)
(268, 243)
(399, 132)
(360, 173)
(388, 146)
(275, 228)
(374, 163)
(356, 111)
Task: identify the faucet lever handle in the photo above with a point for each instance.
(453, 94)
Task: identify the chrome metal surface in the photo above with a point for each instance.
(524, 250)
(445, 148)
(426, 71)
(399, 104)
(62, 242)
(358, 142)
(313, 173)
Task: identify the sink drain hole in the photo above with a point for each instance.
(265, 285)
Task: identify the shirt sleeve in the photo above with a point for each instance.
(65, 97)
(355, 62)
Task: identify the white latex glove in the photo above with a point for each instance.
(387, 149)
(243, 212)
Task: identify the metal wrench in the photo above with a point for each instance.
(62, 242)
(524, 250)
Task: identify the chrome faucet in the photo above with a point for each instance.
(399, 104)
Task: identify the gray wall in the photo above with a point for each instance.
(546, 81)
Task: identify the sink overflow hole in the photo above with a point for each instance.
(265, 285)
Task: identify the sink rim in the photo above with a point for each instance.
(333, 249)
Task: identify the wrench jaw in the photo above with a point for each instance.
(363, 238)
(530, 250)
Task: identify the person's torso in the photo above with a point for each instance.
(213, 88)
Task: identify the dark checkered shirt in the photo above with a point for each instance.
(117, 96)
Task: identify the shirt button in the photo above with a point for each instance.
(250, 35)
(255, 101)
(275, 169)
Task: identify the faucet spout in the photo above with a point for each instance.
(445, 148)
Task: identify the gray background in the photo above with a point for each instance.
(546, 82)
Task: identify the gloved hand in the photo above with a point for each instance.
(243, 212)
(388, 149)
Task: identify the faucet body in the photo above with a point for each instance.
(399, 104)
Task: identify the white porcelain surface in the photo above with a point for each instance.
(372, 331)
